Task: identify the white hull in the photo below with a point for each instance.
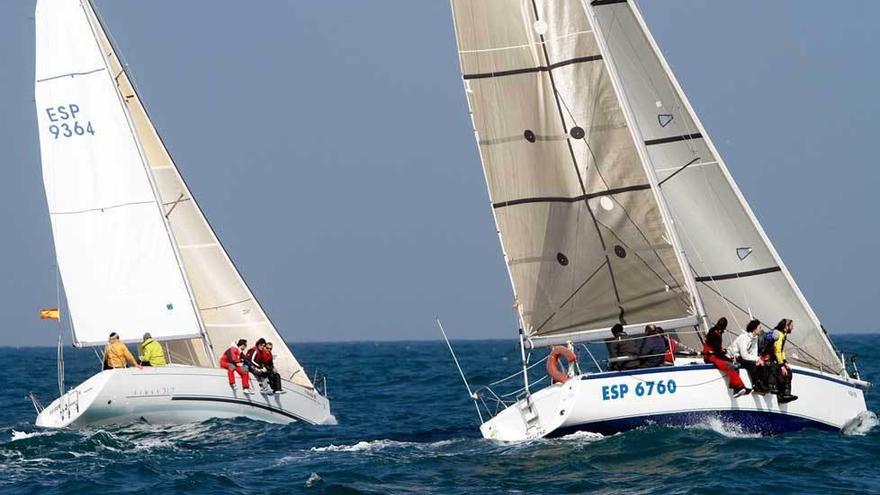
(618, 401)
(175, 395)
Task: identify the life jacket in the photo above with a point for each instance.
(670, 350)
(766, 341)
(232, 355)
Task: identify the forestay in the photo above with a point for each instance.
(583, 235)
(738, 271)
(115, 256)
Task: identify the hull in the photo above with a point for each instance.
(176, 395)
(676, 396)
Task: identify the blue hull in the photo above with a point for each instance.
(761, 422)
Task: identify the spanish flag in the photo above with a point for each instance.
(50, 314)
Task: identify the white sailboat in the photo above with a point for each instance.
(134, 250)
(613, 206)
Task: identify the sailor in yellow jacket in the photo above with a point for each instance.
(116, 354)
(150, 352)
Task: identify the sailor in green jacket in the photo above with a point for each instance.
(150, 352)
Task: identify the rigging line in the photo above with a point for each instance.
(816, 362)
(686, 165)
(174, 204)
(598, 268)
(575, 162)
(635, 253)
(604, 181)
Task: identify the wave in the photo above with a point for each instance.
(862, 424)
(22, 435)
(377, 445)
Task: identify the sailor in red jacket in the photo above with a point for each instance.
(231, 360)
(713, 352)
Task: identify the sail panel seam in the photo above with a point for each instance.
(576, 199)
(102, 208)
(673, 139)
(71, 74)
(529, 70)
(728, 276)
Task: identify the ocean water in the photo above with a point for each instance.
(406, 426)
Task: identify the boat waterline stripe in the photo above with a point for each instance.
(750, 273)
(606, 2)
(243, 403)
(672, 139)
(71, 74)
(687, 416)
(697, 367)
(527, 70)
(562, 199)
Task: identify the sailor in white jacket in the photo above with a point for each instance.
(745, 351)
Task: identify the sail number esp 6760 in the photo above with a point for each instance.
(642, 389)
(65, 123)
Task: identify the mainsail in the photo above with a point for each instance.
(579, 120)
(74, 56)
(738, 272)
(583, 233)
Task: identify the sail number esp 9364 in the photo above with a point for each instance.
(64, 123)
(642, 389)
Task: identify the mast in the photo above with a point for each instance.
(648, 167)
(96, 24)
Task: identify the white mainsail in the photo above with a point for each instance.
(225, 308)
(584, 237)
(739, 273)
(117, 261)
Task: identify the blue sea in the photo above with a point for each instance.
(407, 426)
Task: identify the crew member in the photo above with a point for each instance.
(653, 349)
(150, 352)
(116, 354)
(713, 352)
(267, 360)
(623, 352)
(231, 360)
(745, 351)
(783, 371)
(252, 358)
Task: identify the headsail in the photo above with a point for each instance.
(225, 305)
(118, 263)
(739, 273)
(583, 234)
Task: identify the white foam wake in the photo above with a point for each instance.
(377, 445)
(861, 424)
(21, 435)
(729, 430)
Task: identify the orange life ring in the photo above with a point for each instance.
(556, 374)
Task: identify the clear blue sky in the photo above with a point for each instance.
(329, 144)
